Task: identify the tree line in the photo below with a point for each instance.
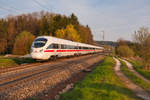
(18, 32)
(139, 48)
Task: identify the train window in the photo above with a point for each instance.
(50, 47)
(65, 46)
(40, 42)
(62, 46)
(53, 46)
(72, 47)
(69, 47)
(85, 47)
(75, 47)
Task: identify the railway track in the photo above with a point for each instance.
(5, 70)
(9, 70)
(35, 71)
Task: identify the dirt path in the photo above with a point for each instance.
(135, 88)
(130, 67)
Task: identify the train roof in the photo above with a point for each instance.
(69, 42)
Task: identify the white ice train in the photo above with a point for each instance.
(46, 47)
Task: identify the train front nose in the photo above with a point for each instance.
(38, 47)
(36, 55)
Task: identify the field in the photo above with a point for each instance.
(134, 78)
(139, 68)
(11, 62)
(100, 84)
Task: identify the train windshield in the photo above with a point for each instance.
(40, 42)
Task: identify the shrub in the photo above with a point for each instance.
(125, 51)
(23, 43)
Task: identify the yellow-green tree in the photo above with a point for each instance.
(125, 51)
(72, 33)
(23, 43)
(61, 33)
(69, 33)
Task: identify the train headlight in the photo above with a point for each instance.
(41, 50)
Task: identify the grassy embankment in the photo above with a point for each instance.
(11, 62)
(134, 78)
(100, 84)
(139, 68)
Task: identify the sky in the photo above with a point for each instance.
(117, 18)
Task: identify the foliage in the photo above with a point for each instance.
(85, 34)
(145, 85)
(69, 33)
(43, 23)
(100, 84)
(142, 37)
(3, 45)
(135, 47)
(125, 51)
(23, 43)
(3, 36)
(121, 42)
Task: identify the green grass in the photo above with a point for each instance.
(139, 68)
(134, 78)
(100, 84)
(5, 62)
(11, 62)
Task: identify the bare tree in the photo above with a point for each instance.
(142, 37)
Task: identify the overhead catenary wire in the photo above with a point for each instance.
(6, 9)
(9, 8)
(42, 6)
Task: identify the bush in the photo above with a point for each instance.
(125, 51)
(23, 43)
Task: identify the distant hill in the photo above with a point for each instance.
(111, 43)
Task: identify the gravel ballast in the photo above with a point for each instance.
(41, 85)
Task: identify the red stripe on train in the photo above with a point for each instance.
(49, 51)
(66, 50)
